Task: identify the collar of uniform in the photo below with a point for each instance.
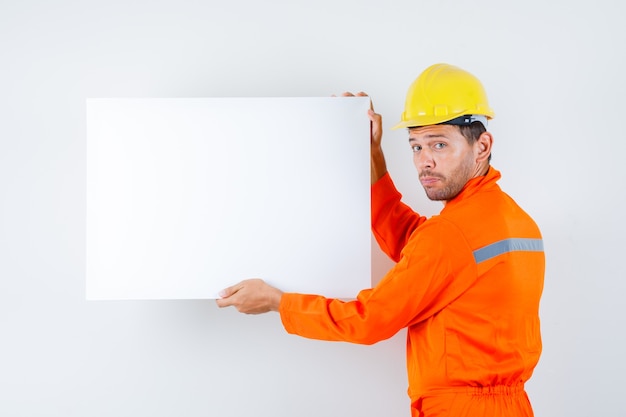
(481, 183)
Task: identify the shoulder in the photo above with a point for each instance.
(439, 236)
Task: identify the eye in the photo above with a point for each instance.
(416, 148)
(439, 145)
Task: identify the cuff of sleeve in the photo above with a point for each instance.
(283, 309)
(384, 187)
(383, 182)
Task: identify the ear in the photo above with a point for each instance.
(482, 147)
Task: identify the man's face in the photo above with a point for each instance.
(445, 161)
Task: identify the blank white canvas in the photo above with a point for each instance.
(186, 196)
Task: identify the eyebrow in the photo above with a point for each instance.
(430, 136)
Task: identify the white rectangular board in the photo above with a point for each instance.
(186, 196)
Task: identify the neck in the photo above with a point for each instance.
(481, 170)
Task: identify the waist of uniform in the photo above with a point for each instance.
(477, 390)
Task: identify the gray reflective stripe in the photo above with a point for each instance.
(507, 245)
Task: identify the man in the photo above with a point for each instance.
(467, 282)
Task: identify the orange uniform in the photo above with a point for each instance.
(467, 285)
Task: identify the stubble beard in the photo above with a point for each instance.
(452, 185)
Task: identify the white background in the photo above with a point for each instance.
(554, 72)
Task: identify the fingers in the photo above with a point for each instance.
(359, 94)
(227, 292)
(376, 127)
(349, 94)
(252, 296)
(225, 301)
(374, 117)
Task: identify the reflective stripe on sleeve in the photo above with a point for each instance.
(507, 245)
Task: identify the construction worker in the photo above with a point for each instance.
(466, 283)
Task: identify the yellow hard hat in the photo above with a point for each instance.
(445, 94)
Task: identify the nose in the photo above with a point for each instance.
(423, 159)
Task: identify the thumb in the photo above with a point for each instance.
(227, 292)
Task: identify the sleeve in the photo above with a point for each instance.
(393, 222)
(435, 268)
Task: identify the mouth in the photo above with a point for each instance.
(428, 180)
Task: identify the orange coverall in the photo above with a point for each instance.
(467, 286)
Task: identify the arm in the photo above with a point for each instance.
(393, 222)
(426, 280)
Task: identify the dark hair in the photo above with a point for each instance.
(472, 132)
